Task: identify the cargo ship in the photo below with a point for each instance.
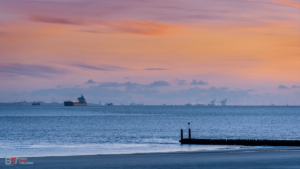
(35, 103)
(81, 102)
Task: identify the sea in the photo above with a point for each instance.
(35, 131)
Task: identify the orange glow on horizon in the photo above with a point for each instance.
(254, 42)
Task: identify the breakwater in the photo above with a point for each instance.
(245, 142)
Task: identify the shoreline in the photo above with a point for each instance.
(186, 149)
(265, 157)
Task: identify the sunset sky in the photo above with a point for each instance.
(150, 51)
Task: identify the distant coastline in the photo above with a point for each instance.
(140, 105)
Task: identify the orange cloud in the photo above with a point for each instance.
(145, 27)
(286, 2)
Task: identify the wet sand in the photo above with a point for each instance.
(279, 157)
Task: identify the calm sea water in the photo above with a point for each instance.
(55, 131)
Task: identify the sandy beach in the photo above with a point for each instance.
(279, 157)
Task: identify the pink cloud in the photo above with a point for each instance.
(174, 12)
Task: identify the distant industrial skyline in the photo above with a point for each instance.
(152, 52)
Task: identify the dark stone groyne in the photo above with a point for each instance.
(245, 142)
(241, 142)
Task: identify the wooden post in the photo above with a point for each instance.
(189, 133)
(181, 134)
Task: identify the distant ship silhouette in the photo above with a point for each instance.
(81, 102)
